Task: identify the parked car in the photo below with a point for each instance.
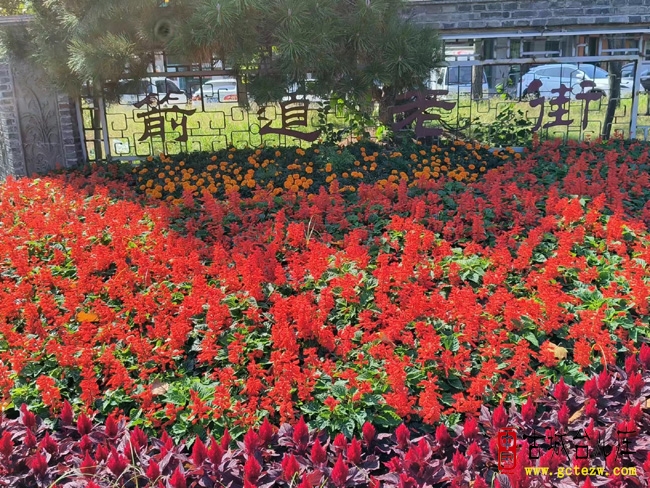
(627, 76)
(457, 80)
(552, 76)
(598, 75)
(166, 90)
(217, 90)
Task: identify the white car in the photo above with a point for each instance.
(546, 81)
(217, 90)
(457, 80)
(627, 76)
(165, 90)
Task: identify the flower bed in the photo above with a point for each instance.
(394, 303)
(99, 455)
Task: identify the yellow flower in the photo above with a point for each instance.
(182, 163)
(328, 167)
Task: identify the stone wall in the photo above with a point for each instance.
(467, 15)
(38, 125)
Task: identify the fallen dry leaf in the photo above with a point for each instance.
(158, 388)
(576, 415)
(558, 351)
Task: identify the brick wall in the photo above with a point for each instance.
(467, 15)
(12, 160)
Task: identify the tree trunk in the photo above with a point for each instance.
(477, 72)
(614, 91)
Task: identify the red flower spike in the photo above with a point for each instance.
(528, 411)
(405, 481)
(474, 450)
(591, 409)
(225, 440)
(38, 465)
(101, 454)
(85, 444)
(199, 452)
(251, 442)
(459, 462)
(612, 460)
(290, 467)
(500, 417)
(305, 482)
(340, 443)
(604, 381)
(631, 365)
(252, 470)
(88, 466)
(369, 433)
(66, 414)
(177, 479)
(563, 415)
(644, 356)
(215, 453)
(374, 483)
(442, 436)
(84, 424)
(587, 483)
(480, 483)
(111, 426)
(470, 428)
(139, 439)
(27, 418)
(6, 444)
(167, 441)
(30, 440)
(117, 463)
(354, 452)
(561, 391)
(301, 434)
(266, 432)
(49, 444)
(153, 470)
(635, 384)
(403, 436)
(591, 388)
(340, 472)
(318, 454)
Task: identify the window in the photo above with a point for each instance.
(459, 75)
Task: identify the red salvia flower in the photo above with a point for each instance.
(290, 467)
(604, 380)
(340, 443)
(339, 473)
(101, 454)
(251, 442)
(30, 440)
(225, 440)
(139, 439)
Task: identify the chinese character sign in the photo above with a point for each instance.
(154, 118)
(415, 110)
(294, 114)
(560, 112)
